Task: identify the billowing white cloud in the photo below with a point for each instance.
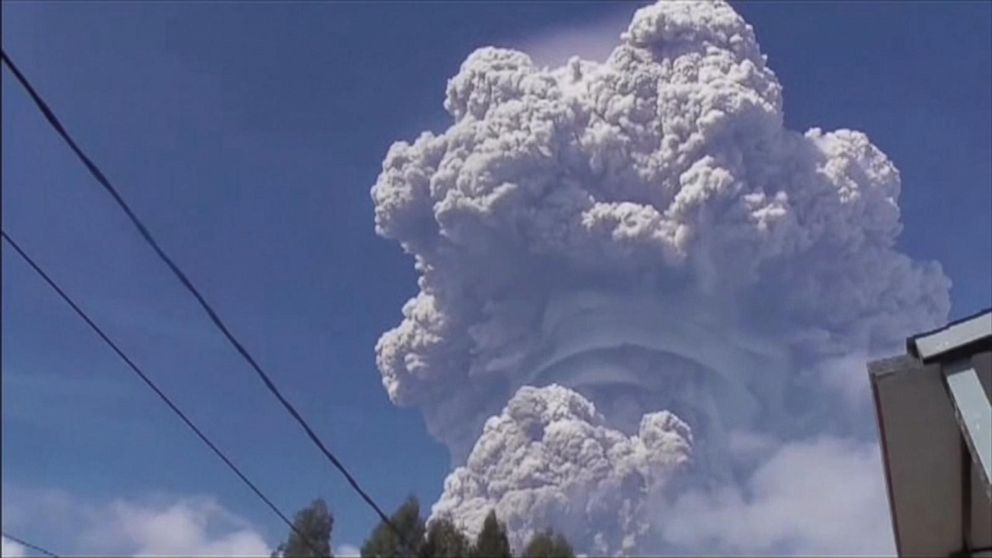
(187, 527)
(346, 550)
(646, 233)
(549, 459)
(155, 526)
(817, 497)
(11, 549)
(593, 40)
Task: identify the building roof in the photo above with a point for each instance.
(967, 335)
(935, 424)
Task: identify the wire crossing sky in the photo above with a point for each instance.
(248, 137)
(101, 178)
(29, 545)
(151, 385)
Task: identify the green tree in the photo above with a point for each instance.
(384, 543)
(444, 540)
(492, 541)
(547, 544)
(315, 523)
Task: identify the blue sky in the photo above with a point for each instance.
(247, 135)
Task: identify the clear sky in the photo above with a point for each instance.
(247, 136)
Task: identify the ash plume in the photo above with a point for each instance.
(578, 472)
(645, 234)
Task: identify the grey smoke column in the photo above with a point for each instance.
(549, 456)
(643, 232)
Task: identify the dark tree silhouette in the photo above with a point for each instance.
(547, 544)
(492, 541)
(315, 523)
(384, 543)
(444, 540)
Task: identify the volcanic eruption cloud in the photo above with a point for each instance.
(644, 305)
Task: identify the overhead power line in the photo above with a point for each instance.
(25, 543)
(151, 385)
(99, 176)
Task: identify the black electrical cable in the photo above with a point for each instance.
(151, 385)
(99, 176)
(29, 545)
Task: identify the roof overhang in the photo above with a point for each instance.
(935, 424)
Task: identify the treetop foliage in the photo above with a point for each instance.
(548, 544)
(442, 539)
(315, 523)
(384, 543)
(492, 541)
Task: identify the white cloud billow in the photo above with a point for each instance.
(593, 40)
(813, 498)
(189, 527)
(155, 526)
(550, 459)
(11, 549)
(646, 233)
(347, 551)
